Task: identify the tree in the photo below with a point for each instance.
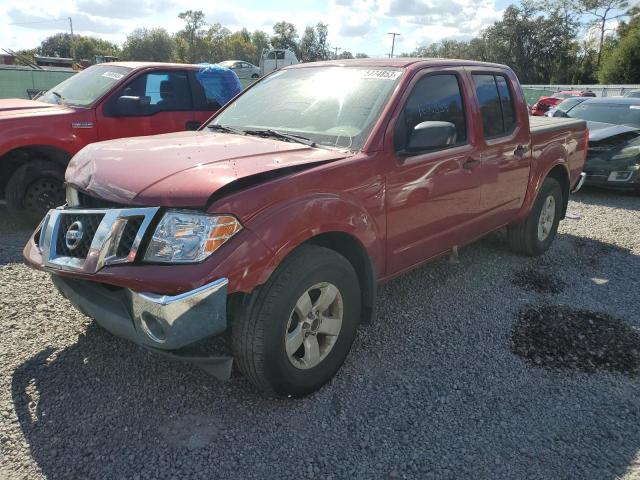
(537, 47)
(260, 40)
(346, 55)
(313, 45)
(603, 12)
(217, 43)
(155, 45)
(86, 48)
(191, 39)
(621, 64)
(285, 35)
(239, 46)
(361, 55)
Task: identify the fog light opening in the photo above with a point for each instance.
(153, 328)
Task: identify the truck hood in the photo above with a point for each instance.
(16, 107)
(182, 169)
(599, 130)
(612, 148)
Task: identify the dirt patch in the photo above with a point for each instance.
(559, 337)
(538, 281)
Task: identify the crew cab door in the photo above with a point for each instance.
(167, 104)
(506, 149)
(433, 197)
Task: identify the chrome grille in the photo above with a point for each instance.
(109, 236)
(89, 222)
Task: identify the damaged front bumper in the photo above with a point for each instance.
(162, 323)
(628, 179)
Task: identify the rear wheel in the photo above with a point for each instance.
(535, 234)
(299, 330)
(36, 186)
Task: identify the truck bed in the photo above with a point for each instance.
(550, 133)
(549, 124)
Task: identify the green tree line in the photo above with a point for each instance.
(197, 42)
(544, 41)
(556, 42)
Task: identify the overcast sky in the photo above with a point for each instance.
(354, 25)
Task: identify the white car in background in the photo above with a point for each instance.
(241, 68)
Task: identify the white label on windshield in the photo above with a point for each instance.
(634, 107)
(381, 74)
(114, 75)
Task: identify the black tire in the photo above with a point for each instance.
(35, 187)
(259, 330)
(255, 75)
(523, 235)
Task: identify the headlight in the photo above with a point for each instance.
(189, 237)
(627, 153)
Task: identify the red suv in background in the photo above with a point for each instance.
(545, 103)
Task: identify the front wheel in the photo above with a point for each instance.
(297, 333)
(534, 235)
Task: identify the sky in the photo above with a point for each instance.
(354, 25)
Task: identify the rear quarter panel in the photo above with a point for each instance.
(555, 142)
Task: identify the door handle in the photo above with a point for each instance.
(520, 150)
(471, 164)
(192, 125)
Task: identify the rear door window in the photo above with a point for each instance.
(496, 105)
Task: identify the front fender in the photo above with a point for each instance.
(291, 224)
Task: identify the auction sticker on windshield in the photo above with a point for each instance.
(382, 74)
(113, 75)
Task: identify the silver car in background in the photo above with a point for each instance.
(242, 69)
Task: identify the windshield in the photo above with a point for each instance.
(569, 103)
(618, 114)
(330, 106)
(84, 88)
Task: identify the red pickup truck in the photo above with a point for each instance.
(106, 101)
(277, 220)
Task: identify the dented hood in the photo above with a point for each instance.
(181, 169)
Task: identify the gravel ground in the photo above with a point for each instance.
(431, 390)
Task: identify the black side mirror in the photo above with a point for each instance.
(431, 135)
(128, 105)
(560, 113)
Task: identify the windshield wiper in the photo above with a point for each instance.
(290, 137)
(58, 96)
(222, 128)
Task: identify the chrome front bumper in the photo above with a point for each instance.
(160, 322)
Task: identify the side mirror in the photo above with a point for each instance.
(128, 105)
(560, 113)
(431, 135)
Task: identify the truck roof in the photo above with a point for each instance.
(398, 63)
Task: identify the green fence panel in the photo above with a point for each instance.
(15, 82)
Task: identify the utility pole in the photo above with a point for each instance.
(337, 48)
(73, 50)
(393, 42)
